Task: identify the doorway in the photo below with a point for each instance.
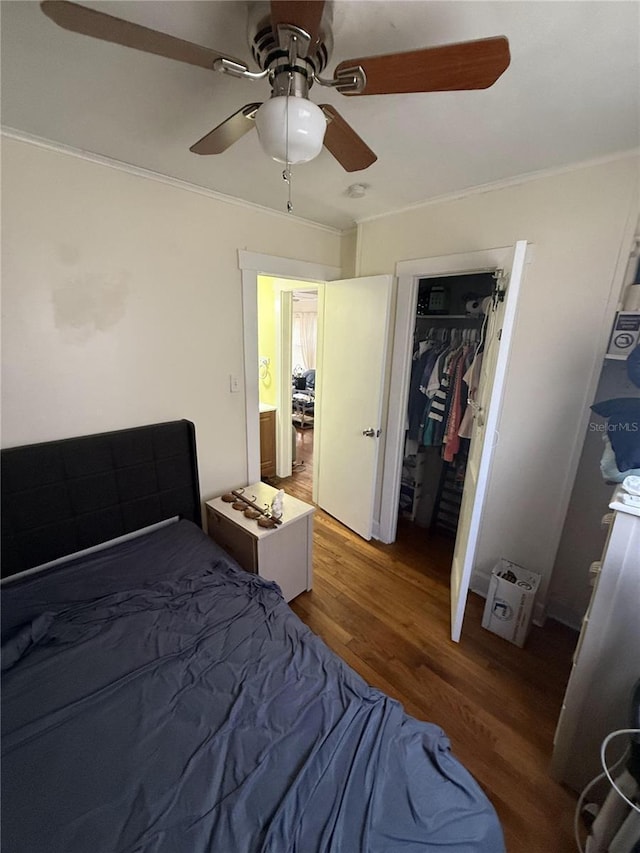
(355, 320)
(448, 344)
(289, 331)
(304, 349)
(253, 264)
(448, 341)
(476, 545)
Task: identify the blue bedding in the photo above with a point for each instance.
(157, 698)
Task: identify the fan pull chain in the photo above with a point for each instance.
(287, 177)
(286, 173)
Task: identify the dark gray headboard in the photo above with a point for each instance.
(62, 496)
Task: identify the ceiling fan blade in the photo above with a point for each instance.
(449, 67)
(89, 22)
(228, 132)
(343, 142)
(305, 14)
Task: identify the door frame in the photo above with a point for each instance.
(251, 265)
(283, 324)
(408, 274)
(284, 343)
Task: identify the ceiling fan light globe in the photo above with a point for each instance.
(306, 125)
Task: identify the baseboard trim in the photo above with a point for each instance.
(565, 615)
(539, 614)
(480, 583)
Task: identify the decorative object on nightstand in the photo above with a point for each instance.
(282, 553)
(250, 509)
(277, 505)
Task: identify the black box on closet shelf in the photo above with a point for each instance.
(437, 300)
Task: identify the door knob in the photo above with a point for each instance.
(372, 433)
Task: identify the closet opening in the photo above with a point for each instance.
(448, 343)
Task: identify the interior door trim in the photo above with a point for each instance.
(252, 264)
(408, 273)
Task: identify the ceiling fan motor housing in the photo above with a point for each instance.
(270, 54)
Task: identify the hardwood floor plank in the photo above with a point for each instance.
(384, 609)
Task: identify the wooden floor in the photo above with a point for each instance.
(385, 610)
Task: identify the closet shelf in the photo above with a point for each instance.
(450, 316)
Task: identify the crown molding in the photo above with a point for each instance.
(505, 183)
(140, 172)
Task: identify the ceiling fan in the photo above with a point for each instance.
(291, 42)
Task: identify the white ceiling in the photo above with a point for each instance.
(570, 94)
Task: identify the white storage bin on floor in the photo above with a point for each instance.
(509, 605)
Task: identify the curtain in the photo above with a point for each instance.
(305, 326)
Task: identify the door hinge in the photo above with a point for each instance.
(500, 334)
(500, 287)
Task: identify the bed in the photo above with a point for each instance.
(158, 698)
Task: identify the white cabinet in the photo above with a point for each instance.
(283, 554)
(606, 662)
(267, 441)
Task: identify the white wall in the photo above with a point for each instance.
(577, 220)
(349, 253)
(121, 302)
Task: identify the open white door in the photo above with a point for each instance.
(349, 394)
(484, 438)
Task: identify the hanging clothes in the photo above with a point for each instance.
(445, 409)
(445, 371)
(432, 383)
(472, 380)
(416, 399)
(444, 375)
(457, 406)
(424, 359)
(435, 411)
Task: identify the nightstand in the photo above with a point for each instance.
(283, 554)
